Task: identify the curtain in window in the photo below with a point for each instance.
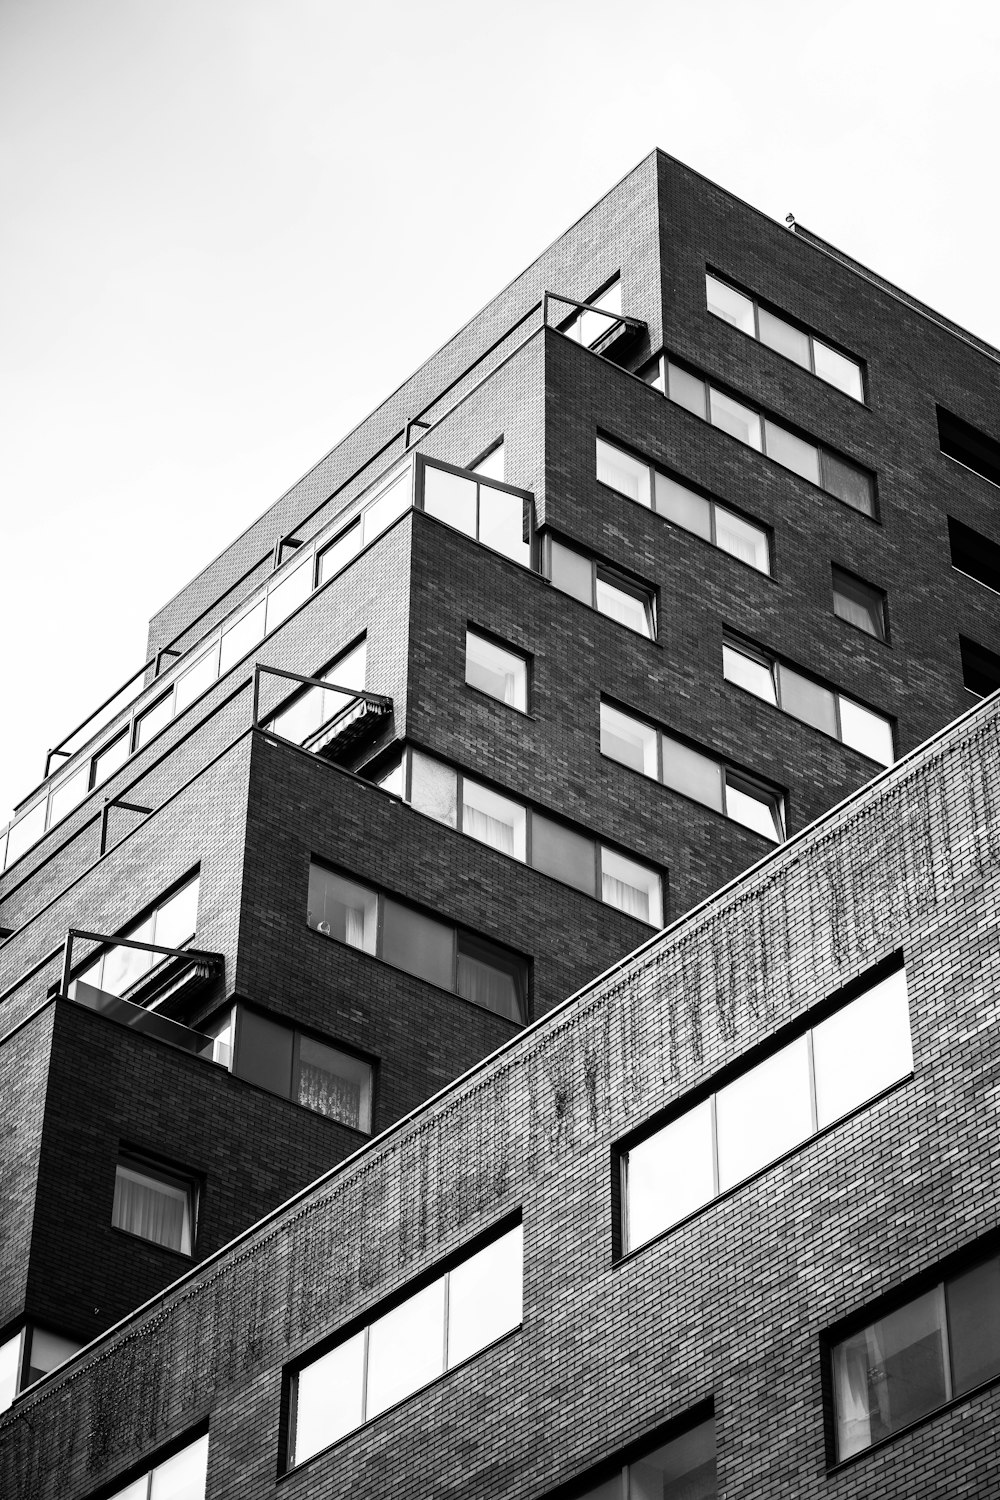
(487, 830)
(329, 1094)
(627, 898)
(483, 985)
(618, 605)
(354, 926)
(156, 1211)
(735, 542)
(859, 1379)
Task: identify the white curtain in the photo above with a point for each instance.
(627, 898)
(487, 830)
(735, 544)
(155, 1211)
(861, 1391)
(483, 985)
(330, 1094)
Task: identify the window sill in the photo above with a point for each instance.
(523, 713)
(188, 1257)
(860, 630)
(939, 1411)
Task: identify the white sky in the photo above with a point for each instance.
(230, 227)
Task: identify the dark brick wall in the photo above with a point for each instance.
(24, 1059)
(731, 1305)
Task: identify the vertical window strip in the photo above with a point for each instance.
(745, 313)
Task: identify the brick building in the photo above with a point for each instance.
(675, 546)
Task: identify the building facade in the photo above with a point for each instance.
(680, 542)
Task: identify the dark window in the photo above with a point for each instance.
(980, 668)
(859, 603)
(285, 1061)
(968, 446)
(682, 1468)
(974, 554)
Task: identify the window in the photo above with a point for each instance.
(825, 1073)
(726, 790)
(179, 1478)
(496, 670)
(152, 720)
(980, 668)
(309, 711)
(974, 555)
(859, 603)
(491, 465)
(683, 1468)
(506, 824)
(154, 1203)
(342, 550)
(491, 513)
(287, 1062)
(811, 702)
(30, 1354)
(916, 1358)
(968, 446)
(428, 1333)
(746, 314)
(683, 506)
(588, 328)
(422, 945)
(840, 477)
(605, 589)
(170, 924)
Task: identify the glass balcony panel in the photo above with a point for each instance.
(484, 1297)
(339, 553)
(406, 1348)
(792, 452)
(111, 757)
(669, 1175)
(781, 336)
(450, 498)
(683, 507)
(242, 636)
(69, 793)
(764, 1114)
(692, 774)
(304, 715)
(124, 967)
(287, 593)
(687, 390)
(28, 829)
(197, 678)
(836, 369)
(730, 305)
(329, 1398)
(503, 524)
(739, 421)
(866, 732)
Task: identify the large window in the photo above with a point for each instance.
(825, 1073)
(968, 446)
(725, 789)
(155, 1203)
(430, 1332)
(682, 1468)
(181, 1477)
(509, 825)
(494, 514)
(606, 589)
(678, 503)
(980, 668)
(839, 476)
(496, 670)
(917, 1357)
(31, 1353)
(170, 924)
(308, 712)
(812, 702)
(974, 554)
(746, 314)
(859, 603)
(299, 1067)
(456, 960)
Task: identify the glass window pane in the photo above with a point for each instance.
(484, 1297)
(503, 674)
(137, 1490)
(380, 513)
(303, 716)
(110, 758)
(47, 1352)
(865, 731)
(222, 1032)
(852, 485)
(197, 678)
(26, 831)
(69, 793)
(503, 524)
(10, 1370)
(153, 1207)
(418, 944)
(764, 1114)
(492, 819)
(836, 369)
(974, 1325)
(406, 1348)
(242, 636)
(592, 326)
(755, 808)
(348, 671)
(738, 420)
(493, 465)
(434, 788)
(792, 452)
(342, 909)
(629, 607)
(628, 740)
(631, 887)
(730, 305)
(687, 390)
(683, 1469)
(689, 772)
(748, 672)
(653, 374)
(620, 471)
(889, 1374)
(154, 719)
(669, 1175)
(862, 1049)
(329, 1398)
(289, 592)
(176, 918)
(564, 854)
(683, 506)
(807, 700)
(334, 1083)
(859, 603)
(124, 967)
(391, 779)
(779, 335)
(339, 553)
(491, 978)
(748, 543)
(451, 499)
(183, 1476)
(264, 1054)
(571, 572)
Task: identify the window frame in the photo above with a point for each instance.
(645, 594)
(150, 911)
(302, 691)
(974, 539)
(574, 320)
(582, 1485)
(422, 462)
(492, 639)
(877, 593)
(170, 1174)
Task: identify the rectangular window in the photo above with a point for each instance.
(828, 1071)
(154, 1203)
(182, 1477)
(287, 1062)
(492, 465)
(739, 797)
(968, 446)
(421, 945)
(859, 603)
(198, 677)
(811, 702)
(916, 1358)
(491, 513)
(746, 314)
(430, 1332)
(974, 554)
(339, 553)
(605, 589)
(496, 670)
(980, 668)
(172, 923)
(31, 1353)
(152, 720)
(682, 1468)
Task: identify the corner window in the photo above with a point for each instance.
(603, 588)
(154, 1203)
(980, 668)
(859, 603)
(831, 1069)
(481, 508)
(496, 670)
(758, 322)
(422, 1337)
(968, 446)
(288, 1062)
